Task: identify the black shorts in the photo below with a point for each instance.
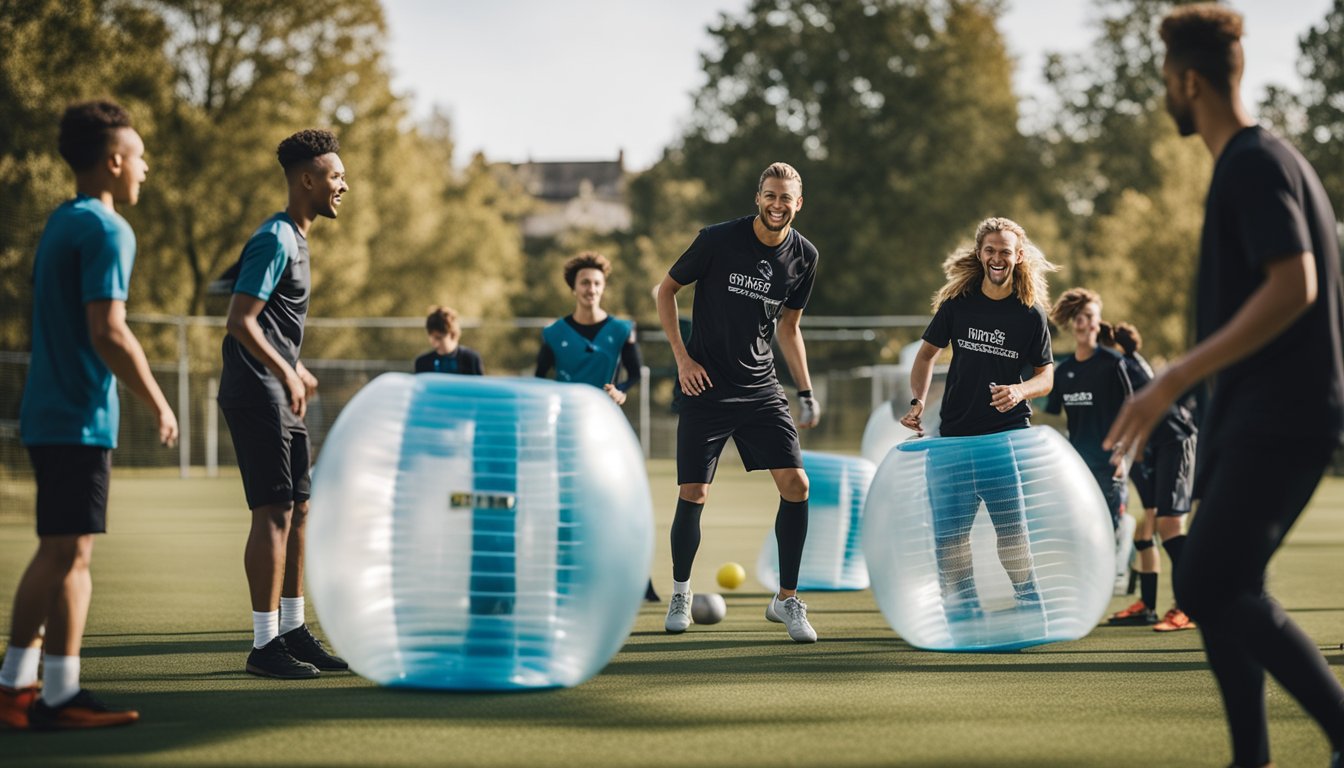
(1165, 480)
(71, 488)
(763, 431)
(273, 454)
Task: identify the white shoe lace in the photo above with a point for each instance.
(680, 604)
(795, 609)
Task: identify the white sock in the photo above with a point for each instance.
(265, 627)
(681, 587)
(20, 668)
(291, 613)
(62, 680)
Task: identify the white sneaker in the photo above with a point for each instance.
(770, 614)
(678, 613)
(792, 612)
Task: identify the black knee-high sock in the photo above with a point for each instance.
(685, 538)
(1174, 545)
(790, 534)
(1148, 590)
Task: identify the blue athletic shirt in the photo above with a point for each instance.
(586, 361)
(86, 254)
(274, 267)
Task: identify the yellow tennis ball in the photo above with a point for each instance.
(731, 575)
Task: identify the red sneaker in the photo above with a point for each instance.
(83, 711)
(1174, 621)
(14, 704)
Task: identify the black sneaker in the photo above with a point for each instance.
(82, 711)
(306, 648)
(650, 595)
(275, 660)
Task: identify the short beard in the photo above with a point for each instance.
(765, 222)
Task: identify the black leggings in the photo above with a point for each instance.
(1253, 495)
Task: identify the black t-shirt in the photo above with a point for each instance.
(994, 342)
(1266, 203)
(1179, 423)
(742, 287)
(1090, 392)
(464, 360)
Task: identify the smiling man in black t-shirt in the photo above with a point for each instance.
(991, 311)
(1269, 321)
(753, 278)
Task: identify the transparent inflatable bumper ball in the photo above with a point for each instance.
(993, 542)
(478, 533)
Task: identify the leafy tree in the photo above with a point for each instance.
(1314, 118)
(45, 64)
(899, 114)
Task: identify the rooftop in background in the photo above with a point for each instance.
(567, 179)
(573, 195)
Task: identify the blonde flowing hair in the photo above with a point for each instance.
(964, 271)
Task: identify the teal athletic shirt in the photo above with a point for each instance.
(589, 362)
(86, 254)
(274, 267)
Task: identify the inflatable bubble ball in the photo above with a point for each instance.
(832, 554)
(884, 430)
(477, 533)
(993, 542)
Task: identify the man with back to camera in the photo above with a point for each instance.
(754, 276)
(992, 307)
(1269, 319)
(264, 392)
(70, 415)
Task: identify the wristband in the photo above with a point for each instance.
(804, 393)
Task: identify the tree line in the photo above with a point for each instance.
(900, 115)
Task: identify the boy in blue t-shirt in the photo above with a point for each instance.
(69, 416)
(264, 392)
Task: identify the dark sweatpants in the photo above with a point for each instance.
(1253, 493)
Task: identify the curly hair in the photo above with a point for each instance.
(1106, 335)
(1071, 303)
(1128, 338)
(964, 270)
(1205, 37)
(306, 145)
(586, 260)
(442, 320)
(87, 128)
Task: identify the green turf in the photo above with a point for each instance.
(170, 627)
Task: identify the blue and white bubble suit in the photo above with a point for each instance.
(479, 533)
(884, 429)
(833, 553)
(993, 542)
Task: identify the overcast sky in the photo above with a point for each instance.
(584, 79)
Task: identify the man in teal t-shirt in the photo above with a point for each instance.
(69, 416)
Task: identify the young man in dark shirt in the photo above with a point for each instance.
(1165, 479)
(588, 345)
(992, 307)
(1268, 326)
(447, 355)
(1090, 386)
(753, 278)
(264, 392)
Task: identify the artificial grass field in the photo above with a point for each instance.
(170, 627)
